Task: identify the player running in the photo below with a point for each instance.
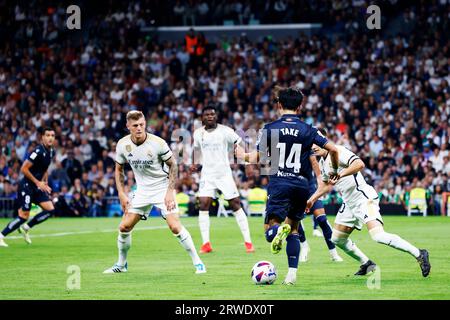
(211, 145)
(33, 188)
(360, 207)
(149, 156)
(287, 143)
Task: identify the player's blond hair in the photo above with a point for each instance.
(134, 115)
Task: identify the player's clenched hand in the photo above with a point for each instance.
(124, 202)
(239, 152)
(169, 201)
(334, 178)
(309, 205)
(44, 187)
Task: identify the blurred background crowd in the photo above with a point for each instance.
(385, 96)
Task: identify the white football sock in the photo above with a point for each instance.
(342, 241)
(124, 244)
(185, 239)
(242, 221)
(203, 222)
(394, 241)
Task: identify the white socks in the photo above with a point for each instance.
(342, 241)
(203, 222)
(392, 240)
(242, 221)
(124, 244)
(185, 239)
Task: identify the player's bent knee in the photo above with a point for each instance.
(339, 237)
(379, 235)
(24, 214)
(174, 224)
(125, 227)
(175, 228)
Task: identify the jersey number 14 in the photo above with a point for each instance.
(293, 159)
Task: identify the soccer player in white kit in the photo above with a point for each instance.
(360, 206)
(149, 157)
(211, 145)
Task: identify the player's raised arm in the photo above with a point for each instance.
(334, 155)
(316, 168)
(173, 174)
(350, 161)
(25, 169)
(323, 189)
(255, 156)
(321, 140)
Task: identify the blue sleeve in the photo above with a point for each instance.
(319, 139)
(34, 156)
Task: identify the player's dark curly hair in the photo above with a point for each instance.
(43, 130)
(290, 98)
(210, 106)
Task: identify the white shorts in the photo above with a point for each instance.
(142, 202)
(225, 184)
(359, 213)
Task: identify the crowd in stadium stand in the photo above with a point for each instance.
(387, 98)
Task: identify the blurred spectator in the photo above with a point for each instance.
(79, 204)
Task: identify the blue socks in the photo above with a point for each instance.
(315, 224)
(301, 232)
(40, 217)
(271, 232)
(326, 229)
(293, 249)
(13, 225)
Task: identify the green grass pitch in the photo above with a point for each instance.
(160, 269)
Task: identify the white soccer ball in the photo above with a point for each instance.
(264, 272)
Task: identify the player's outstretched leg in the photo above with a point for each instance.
(12, 226)
(394, 241)
(342, 240)
(316, 232)
(304, 246)
(37, 219)
(282, 233)
(242, 221)
(292, 252)
(327, 232)
(185, 239)
(204, 224)
(129, 220)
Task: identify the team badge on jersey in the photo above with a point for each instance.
(128, 147)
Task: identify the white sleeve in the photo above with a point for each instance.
(323, 173)
(165, 153)
(233, 137)
(196, 139)
(346, 157)
(120, 156)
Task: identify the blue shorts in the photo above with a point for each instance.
(286, 197)
(28, 193)
(317, 205)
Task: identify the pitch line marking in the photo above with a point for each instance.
(62, 234)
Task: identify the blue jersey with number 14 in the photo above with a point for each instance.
(287, 143)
